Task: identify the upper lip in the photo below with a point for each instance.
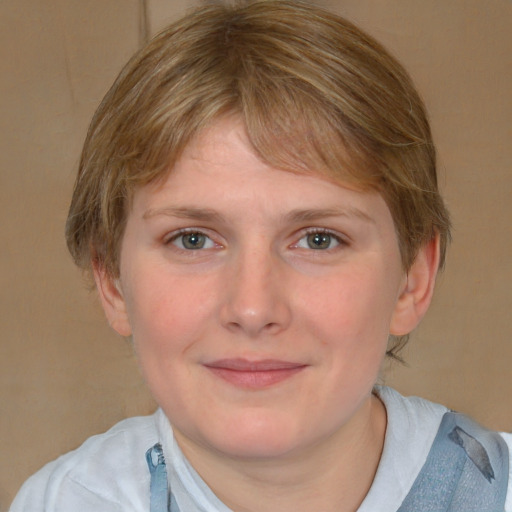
(245, 365)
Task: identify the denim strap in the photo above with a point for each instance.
(161, 500)
(466, 470)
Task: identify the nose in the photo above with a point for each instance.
(256, 301)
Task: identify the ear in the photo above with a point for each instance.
(418, 289)
(112, 300)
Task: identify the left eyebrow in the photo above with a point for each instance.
(309, 215)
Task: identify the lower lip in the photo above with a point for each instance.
(255, 379)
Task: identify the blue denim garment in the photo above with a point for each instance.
(467, 469)
(161, 499)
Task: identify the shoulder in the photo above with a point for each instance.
(423, 415)
(107, 472)
(413, 424)
(411, 420)
(507, 437)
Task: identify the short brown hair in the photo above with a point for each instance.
(315, 93)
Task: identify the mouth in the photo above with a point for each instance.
(254, 374)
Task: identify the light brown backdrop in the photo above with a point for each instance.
(64, 376)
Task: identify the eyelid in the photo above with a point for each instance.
(342, 239)
(169, 238)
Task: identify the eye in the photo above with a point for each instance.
(192, 240)
(319, 240)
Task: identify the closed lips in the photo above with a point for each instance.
(254, 374)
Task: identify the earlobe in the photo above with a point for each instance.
(112, 300)
(416, 295)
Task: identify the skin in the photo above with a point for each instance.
(294, 276)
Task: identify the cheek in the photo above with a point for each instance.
(355, 306)
(350, 316)
(169, 318)
(167, 312)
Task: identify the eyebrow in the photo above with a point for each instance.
(299, 215)
(308, 215)
(184, 213)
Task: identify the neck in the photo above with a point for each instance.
(333, 475)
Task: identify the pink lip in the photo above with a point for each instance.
(254, 374)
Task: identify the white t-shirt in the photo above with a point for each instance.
(109, 473)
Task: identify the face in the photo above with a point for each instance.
(260, 301)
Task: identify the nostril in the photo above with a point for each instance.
(253, 302)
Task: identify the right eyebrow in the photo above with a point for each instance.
(203, 214)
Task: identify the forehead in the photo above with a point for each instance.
(226, 143)
(219, 173)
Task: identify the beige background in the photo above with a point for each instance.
(65, 376)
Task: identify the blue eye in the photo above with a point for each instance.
(193, 240)
(319, 240)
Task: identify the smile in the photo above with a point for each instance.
(254, 374)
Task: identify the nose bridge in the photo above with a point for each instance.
(255, 300)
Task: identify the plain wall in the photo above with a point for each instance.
(65, 376)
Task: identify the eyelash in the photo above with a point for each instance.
(189, 231)
(340, 241)
(322, 231)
